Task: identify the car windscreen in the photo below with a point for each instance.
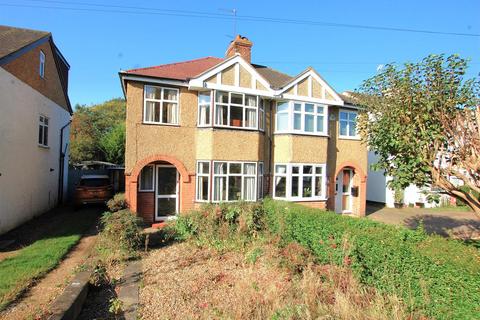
(95, 182)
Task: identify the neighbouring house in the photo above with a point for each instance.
(226, 129)
(34, 131)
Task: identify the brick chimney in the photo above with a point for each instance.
(240, 45)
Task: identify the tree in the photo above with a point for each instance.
(113, 144)
(90, 125)
(423, 122)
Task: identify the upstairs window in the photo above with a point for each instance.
(236, 110)
(204, 106)
(43, 131)
(41, 69)
(301, 117)
(348, 124)
(160, 105)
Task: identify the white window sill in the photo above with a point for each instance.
(302, 133)
(162, 124)
(43, 146)
(146, 191)
(356, 138)
(302, 199)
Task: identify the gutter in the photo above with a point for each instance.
(61, 163)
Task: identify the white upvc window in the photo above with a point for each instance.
(234, 181)
(43, 131)
(146, 179)
(261, 115)
(204, 108)
(348, 124)
(160, 105)
(301, 117)
(236, 110)
(203, 181)
(260, 180)
(300, 181)
(41, 67)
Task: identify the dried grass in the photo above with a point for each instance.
(183, 281)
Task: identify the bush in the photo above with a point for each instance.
(120, 236)
(434, 276)
(117, 203)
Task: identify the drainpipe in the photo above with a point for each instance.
(61, 164)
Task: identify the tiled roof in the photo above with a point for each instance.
(178, 71)
(13, 39)
(276, 78)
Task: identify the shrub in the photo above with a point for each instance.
(117, 203)
(120, 236)
(436, 276)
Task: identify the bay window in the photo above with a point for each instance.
(301, 117)
(238, 110)
(204, 106)
(300, 181)
(348, 124)
(160, 105)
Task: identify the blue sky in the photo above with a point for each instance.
(98, 44)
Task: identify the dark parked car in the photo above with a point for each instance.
(93, 189)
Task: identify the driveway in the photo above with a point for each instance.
(447, 222)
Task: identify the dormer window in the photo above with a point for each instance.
(41, 68)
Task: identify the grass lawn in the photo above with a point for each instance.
(18, 272)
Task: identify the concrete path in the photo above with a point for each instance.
(446, 222)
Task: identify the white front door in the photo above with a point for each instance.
(166, 194)
(343, 191)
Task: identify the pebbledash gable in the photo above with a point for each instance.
(226, 129)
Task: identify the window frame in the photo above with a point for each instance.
(198, 175)
(227, 175)
(41, 66)
(260, 180)
(153, 179)
(291, 112)
(348, 136)
(244, 107)
(288, 185)
(161, 101)
(43, 124)
(210, 105)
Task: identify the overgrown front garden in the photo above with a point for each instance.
(323, 265)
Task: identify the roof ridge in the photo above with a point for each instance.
(173, 63)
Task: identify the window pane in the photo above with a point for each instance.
(320, 109)
(45, 136)
(169, 113)
(169, 94)
(251, 101)
(297, 107)
(235, 168)
(249, 168)
(219, 189)
(282, 106)
(249, 189)
(280, 169)
(45, 120)
(295, 169)
(236, 98)
(318, 170)
(40, 134)
(308, 107)
(202, 191)
(234, 188)
(221, 115)
(166, 206)
(294, 187)
(204, 115)
(203, 167)
(261, 120)
(343, 128)
(236, 116)
(307, 187)
(250, 118)
(352, 129)
(153, 92)
(146, 178)
(221, 97)
(166, 181)
(280, 187)
(319, 123)
(204, 97)
(343, 115)
(352, 116)
(318, 186)
(297, 121)
(149, 110)
(220, 168)
(260, 168)
(309, 122)
(156, 111)
(307, 169)
(282, 121)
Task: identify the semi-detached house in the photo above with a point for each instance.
(226, 129)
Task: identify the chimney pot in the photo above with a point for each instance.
(242, 46)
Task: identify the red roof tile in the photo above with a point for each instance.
(180, 70)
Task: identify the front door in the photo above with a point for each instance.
(166, 194)
(343, 191)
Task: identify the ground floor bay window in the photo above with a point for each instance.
(229, 181)
(300, 182)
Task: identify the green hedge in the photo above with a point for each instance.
(436, 277)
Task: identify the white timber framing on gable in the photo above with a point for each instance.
(200, 82)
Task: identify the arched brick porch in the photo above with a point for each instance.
(187, 185)
(362, 186)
